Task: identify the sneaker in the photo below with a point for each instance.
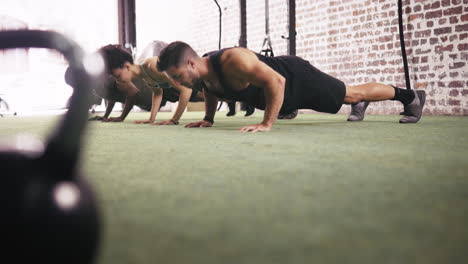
(290, 115)
(249, 110)
(414, 109)
(232, 108)
(358, 110)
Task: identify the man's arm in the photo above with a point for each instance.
(243, 65)
(211, 102)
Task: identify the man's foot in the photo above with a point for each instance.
(290, 115)
(413, 111)
(358, 110)
(232, 108)
(249, 110)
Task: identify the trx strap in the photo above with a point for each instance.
(402, 44)
(267, 49)
(219, 41)
(220, 20)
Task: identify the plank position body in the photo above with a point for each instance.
(275, 84)
(111, 93)
(119, 63)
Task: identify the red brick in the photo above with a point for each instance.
(461, 28)
(424, 68)
(453, 11)
(453, 102)
(419, 51)
(464, 92)
(454, 74)
(462, 47)
(385, 38)
(434, 14)
(445, 2)
(423, 34)
(440, 49)
(456, 84)
(414, 16)
(453, 37)
(464, 56)
(442, 21)
(454, 20)
(464, 18)
(454, 92)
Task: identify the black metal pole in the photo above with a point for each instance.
(402, 44)
(131, 25)
(121, 21)
(243, 24)
(127, 24)
(267, 17)
(292, 27)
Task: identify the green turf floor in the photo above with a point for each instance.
(316, 189)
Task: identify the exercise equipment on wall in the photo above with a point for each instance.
(267, 49)
(403, 48)
(403, 45)
(49, 211)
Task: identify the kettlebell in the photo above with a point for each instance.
(49, 212)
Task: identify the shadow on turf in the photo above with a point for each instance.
(315, 123)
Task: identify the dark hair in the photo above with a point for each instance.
(175, 54)
(115, 57)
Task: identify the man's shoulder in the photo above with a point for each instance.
(238, 51)
(237, 55)
(230, 50)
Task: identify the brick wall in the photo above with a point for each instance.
(357, 41)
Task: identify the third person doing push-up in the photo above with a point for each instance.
(275, 84)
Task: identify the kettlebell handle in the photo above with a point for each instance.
(62, 150)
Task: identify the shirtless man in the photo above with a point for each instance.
(275, 84)
(121, 66)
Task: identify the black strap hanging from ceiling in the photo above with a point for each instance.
(220, 23)
(402, 44)
(219, 41)
(267, 49)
